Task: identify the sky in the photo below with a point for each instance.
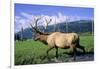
(25, 13)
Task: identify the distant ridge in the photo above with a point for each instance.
(80, 26)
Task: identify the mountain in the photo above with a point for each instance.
(76, 26)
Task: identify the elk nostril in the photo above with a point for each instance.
(35, 39)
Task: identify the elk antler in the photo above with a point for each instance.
(37, 31)
(37, 18)
(47, 22)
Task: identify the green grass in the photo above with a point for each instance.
(87, 42)
(32, 52)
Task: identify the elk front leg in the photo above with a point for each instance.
(73, 49)
(49, 50)
(56, 52)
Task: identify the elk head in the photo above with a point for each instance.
(41, 36)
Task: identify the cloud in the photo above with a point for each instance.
(55, 19)
(25, 19)
(61, 17)
(26, 15)
(20, 22)
(73, 18)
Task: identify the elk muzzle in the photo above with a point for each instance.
(37, 38)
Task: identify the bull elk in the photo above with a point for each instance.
(59, 40)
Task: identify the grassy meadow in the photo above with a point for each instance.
(33, 52)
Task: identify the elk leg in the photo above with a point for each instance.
(74, 53)
(73, 48)
(56, 52)
(49, 50)
(82, 48)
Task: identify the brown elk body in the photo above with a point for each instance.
(60, 40)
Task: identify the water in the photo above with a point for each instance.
(61, 59)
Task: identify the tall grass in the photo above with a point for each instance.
(32, 52)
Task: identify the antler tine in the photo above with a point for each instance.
(36, 30)
(50, 20)
(47, 22)
(32, 26)
(38, 18)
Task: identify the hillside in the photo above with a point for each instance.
(76, 26)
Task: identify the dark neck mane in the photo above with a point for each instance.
(43, 38)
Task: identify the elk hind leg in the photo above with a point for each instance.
(74, 53)
(82, 48)
(73, 48)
